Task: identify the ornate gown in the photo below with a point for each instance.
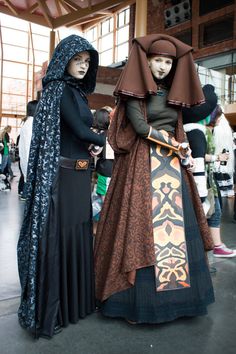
(178, 283)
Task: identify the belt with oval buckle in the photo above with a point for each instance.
(79, 164)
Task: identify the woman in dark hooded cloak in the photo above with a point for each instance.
(55, 246)
(150, 265)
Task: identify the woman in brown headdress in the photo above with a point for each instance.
(149, 251)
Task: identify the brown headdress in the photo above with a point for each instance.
(162, 47)
(137, 80)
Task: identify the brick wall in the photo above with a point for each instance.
(106, 82)
(97, 101)
(155, 24)
(108, 75)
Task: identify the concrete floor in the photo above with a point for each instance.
(211, 334)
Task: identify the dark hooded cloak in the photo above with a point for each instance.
(42, 178)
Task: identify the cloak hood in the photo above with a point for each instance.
(63, 53)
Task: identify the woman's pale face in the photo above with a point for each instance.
(160, 66)
(79, 65)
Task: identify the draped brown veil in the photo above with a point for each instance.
(136, 79)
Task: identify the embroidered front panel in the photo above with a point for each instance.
(171, 268)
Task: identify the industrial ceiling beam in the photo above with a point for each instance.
(72, 5)
(65, 6)
(90, 21)
(11, 7)
(27, 16)
(46, 12)
(69, 13)
(59, 10)
(32, 8)
(67, 19)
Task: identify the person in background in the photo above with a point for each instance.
(150, 264)
(2, 176)
(203, 151)
(55, 248)
(234, 212)
(106, 157)
(104, 163)
(223, 141)
(197, 139)
(24, 143)
(21, 179)
(214, 221)
(5, 140)
(234, 147)
(5, 166)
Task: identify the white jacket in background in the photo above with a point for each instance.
(24, 144)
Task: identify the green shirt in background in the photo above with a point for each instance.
(102, 184)
(6, 147)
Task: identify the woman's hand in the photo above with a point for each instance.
(223, 157)
(191, 165)
(184, 151)
(95, 150)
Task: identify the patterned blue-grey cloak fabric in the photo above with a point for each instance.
(43, 167)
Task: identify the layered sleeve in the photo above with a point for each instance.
(135, 116)
(144, 130)
(70, 115)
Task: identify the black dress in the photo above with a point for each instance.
(76, 240)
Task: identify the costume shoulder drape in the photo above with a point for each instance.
(42, 169)
(128, 222)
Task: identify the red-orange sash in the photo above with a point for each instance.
(171, 268)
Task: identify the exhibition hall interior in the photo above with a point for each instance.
(30, 30)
